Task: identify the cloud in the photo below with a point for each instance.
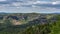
(2, 0)
(41, 2)
(29, 5)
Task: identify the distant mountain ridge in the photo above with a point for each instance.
(40, 13)
(2, 12)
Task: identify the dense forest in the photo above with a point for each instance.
(29, 23)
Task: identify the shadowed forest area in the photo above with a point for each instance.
(31, 23)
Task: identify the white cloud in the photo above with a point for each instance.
(29, 6)
(16, 4)
(41, 2)
(56, 2)
(2, 0)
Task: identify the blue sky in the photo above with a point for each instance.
(29, 6)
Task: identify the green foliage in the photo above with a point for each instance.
(56, 28)
(7, 23)
(38, 29)
(49, 28)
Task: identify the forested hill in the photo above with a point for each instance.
(28, 23)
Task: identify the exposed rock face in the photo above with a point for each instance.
(1, 17)
(15, 22)
(27, 18)
(13, 17)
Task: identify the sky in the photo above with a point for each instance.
(29, 6)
